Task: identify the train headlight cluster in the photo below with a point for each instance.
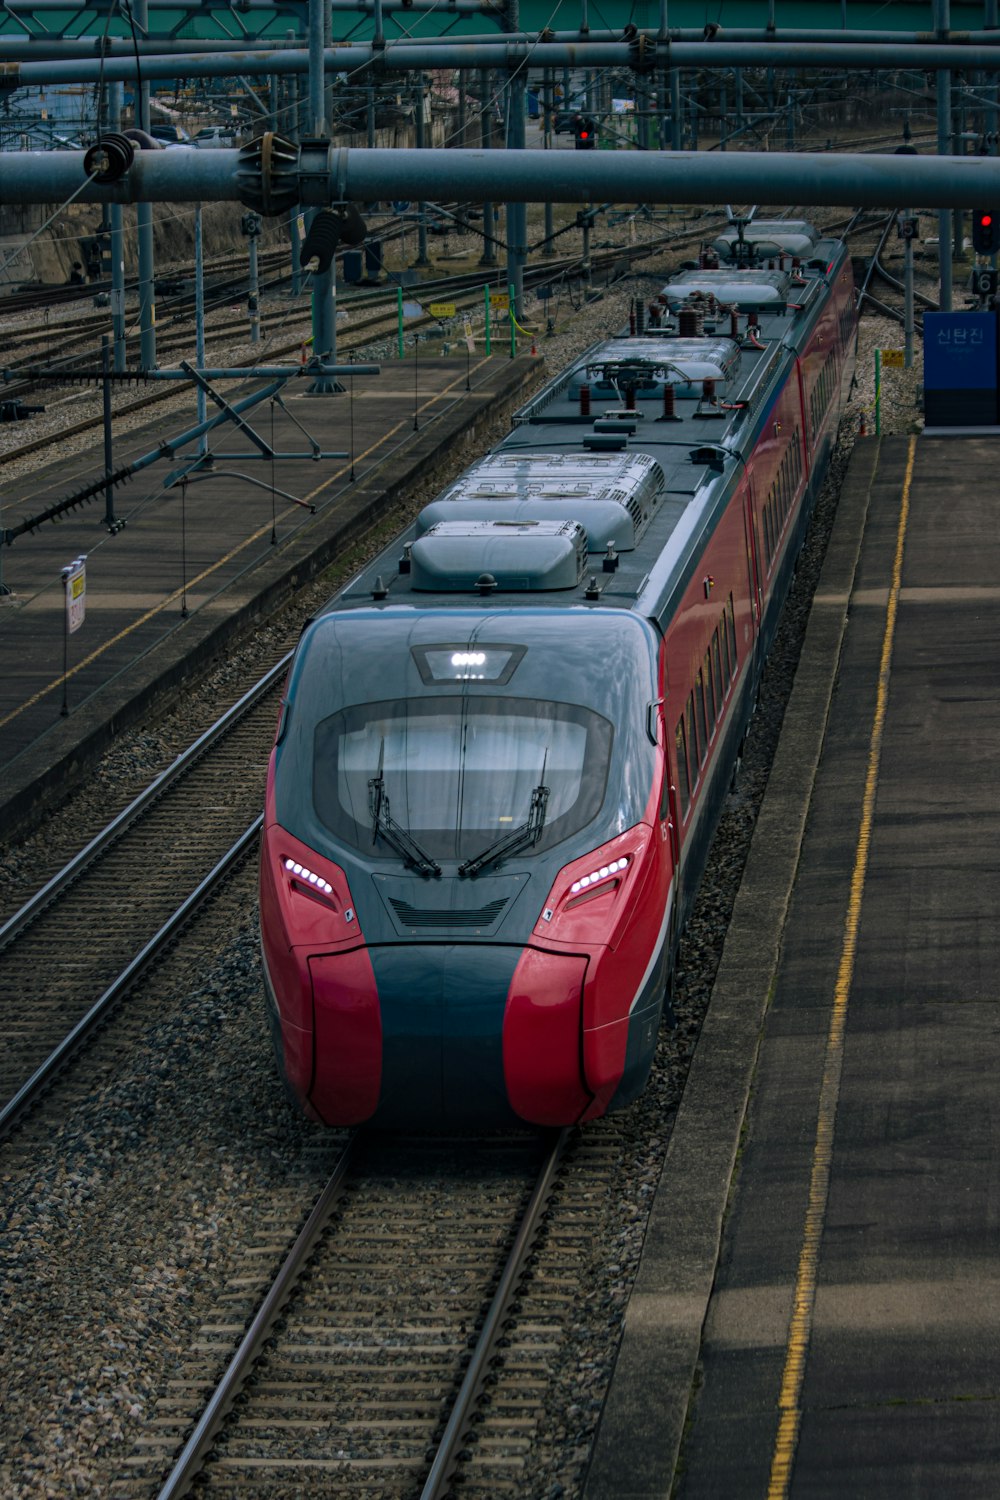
(590, 897)
(308, 877)
(596, 876)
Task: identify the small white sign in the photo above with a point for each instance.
(75, 585)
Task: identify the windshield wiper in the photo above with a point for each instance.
(521, 838)
(394, 835)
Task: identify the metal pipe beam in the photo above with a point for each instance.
(412, 56)
(358, 175)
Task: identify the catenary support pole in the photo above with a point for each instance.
(324, 304)
(144, 225)
(199, 322)
(117, 244)
(942, 21)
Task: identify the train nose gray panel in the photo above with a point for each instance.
(442, 1008)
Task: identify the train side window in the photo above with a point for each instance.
(720, 681)
(683, 776)
(734, 655)
(703, 721)
(786, 488)
(728, 665)
(691, 735)
(706, 675)
(796, 459)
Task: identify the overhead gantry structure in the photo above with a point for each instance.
(274, 174)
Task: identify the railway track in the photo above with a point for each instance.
(99, 920)
(96, 924)
(407, 1341)
(465, 290)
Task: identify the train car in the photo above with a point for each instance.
(504, 746)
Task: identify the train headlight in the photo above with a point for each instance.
(597, 877)
(305, 900)
(308, 877)
(590, 895)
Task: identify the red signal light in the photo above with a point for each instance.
(985, 231)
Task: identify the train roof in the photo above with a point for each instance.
(795, 236)
(617, 468)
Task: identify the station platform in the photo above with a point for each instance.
(197, 563)
(817, 1310)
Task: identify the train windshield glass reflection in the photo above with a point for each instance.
(459, 773)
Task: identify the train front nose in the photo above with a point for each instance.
(450, 1036)
(442, 1009)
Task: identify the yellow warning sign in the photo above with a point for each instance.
(499, 301)
(442, 309)
(892, 359)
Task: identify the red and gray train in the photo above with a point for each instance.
(504, 745)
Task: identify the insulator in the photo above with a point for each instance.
(110, 159)
(630, 398)
(320, 243)
(669, 401)
(328, 230)
(631, 319)
(640, 317)
(585, 400)
(143, 139)
(689, 323)
(267, 174)
(353, 227)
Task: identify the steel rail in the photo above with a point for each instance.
(26, 914)
(242, 1362)
(446, 1459)
(30, 1091)
(876, 268)
(200, 1442)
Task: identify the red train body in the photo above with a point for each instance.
(494, 784)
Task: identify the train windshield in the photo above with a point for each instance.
(459, 773)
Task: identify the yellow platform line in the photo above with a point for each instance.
(221, 562)
(800, 1327)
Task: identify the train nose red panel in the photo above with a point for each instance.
(348, 1037)
(542, 1038)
